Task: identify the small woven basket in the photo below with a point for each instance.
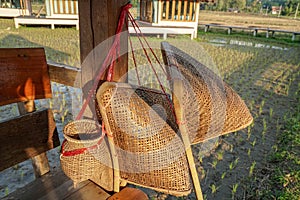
(84, 151)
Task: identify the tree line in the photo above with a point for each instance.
(285, 7)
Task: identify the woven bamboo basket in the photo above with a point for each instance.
(145, 135)
(212, 108)
(84, 153)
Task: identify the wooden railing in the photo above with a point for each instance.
(179, 10)
(64, 74)
(65, 7)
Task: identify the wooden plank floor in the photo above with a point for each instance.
(55, 185)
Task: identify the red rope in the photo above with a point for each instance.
(133, 57)
(81, 150)
(135, 26)
(114, 52)
(109, 60)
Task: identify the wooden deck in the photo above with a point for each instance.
(148, 28)
(45, 21)
(56, 185)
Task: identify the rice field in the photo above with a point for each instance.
(259, 162)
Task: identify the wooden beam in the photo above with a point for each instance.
(27, 136)
(64, 74)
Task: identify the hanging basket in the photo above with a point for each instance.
(84, 153)
(145, 134)
(211, 107)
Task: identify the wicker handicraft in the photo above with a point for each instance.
(211, 107)
(150, 152)
(84, 153)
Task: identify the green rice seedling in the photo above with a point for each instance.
(236, 162)
(64, 101)
(253, 143)
(213, 188)
(234, 189)
(249, 152)
(61, 107)
(223, 175)
(200, 157)
(220, 155)
(248, 132)
(261, 107)
(6, 191)
(271, 113)
(214, 164)
(265, 125)
(231, 166)
(252, 168)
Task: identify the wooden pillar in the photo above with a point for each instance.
(197, 10)
(98, 22)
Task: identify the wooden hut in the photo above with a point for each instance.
(171, 13)
(58, 12)
(14, 8)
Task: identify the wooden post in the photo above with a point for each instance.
(255, 32)
(280, 8)
(160, 11)
(98, 21)
(197, 10)
(177, 97)
(293, 36)
(229, 30)
(40, 162)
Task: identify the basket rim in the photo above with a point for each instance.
(70, 139)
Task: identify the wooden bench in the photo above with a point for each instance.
(25, 76)
(253, 29)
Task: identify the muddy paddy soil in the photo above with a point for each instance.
(234, 166)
